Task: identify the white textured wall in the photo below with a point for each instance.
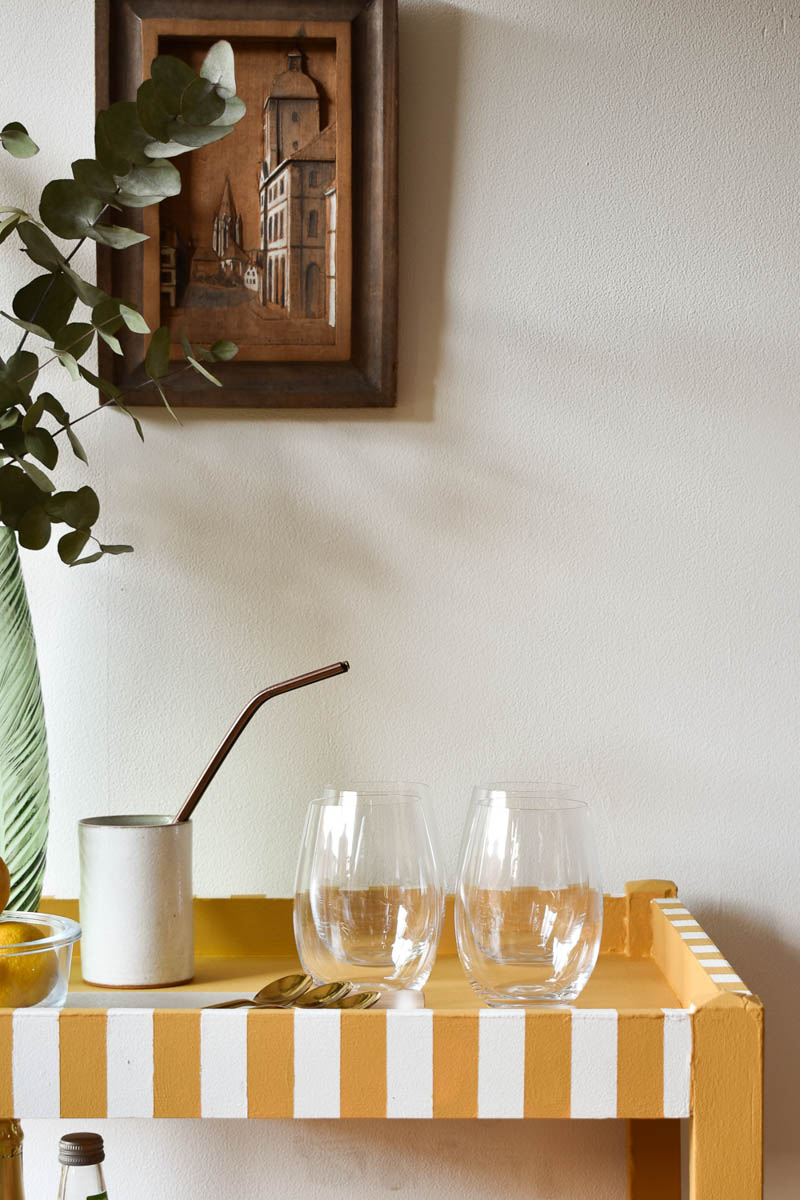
(572, 549)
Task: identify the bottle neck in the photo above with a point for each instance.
(11, 1161)
(82, 1183)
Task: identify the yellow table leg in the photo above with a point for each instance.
(727, 1100)
(654, 1160)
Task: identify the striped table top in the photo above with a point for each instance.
(625, 1050)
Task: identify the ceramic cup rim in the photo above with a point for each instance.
(132, 821)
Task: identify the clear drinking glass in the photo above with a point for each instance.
(529, 904)
(369, 898)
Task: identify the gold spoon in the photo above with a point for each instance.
(323, 996)
(357, 1000)
(280, 993)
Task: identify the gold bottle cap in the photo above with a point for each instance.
(10, 1138)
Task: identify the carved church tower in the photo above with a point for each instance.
(227, 224)
(291, 112)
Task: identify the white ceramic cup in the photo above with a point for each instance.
(136, 901)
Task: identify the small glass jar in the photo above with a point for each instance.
(529, 904)
(81, 1156)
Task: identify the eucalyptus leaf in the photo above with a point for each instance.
(234, 110)
(17, 142)
(224, 350)
(111, 341)
(79, 509)
(39, 246)
(89, 293)
(47, 300)
(94, 178)
(11, 395)
(67, 209)
(158, 178)
(133, 319)
(81, 562)
(22, 367)
(76, 444)
(33, 416)
(194, 136)
(37, 477)
(201, 104)
(34, 529)
(166, 402)
(108, 389)
(13, 442)
(107, 315)
(106, 148)
(52, 406)
(157, 358)
(77, 338)
(8, 226)
(171, 77)
(28, 326)
(137, 424)
(115, 236)
(116, 549)
(71, 544)
(201, 370)
(69, 363)
(168, 149)
(18, 493)
(152, 114)
(41, 444)
(9, 418)
(218, 67)
(125, 136)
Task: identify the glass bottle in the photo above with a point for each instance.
(80, 1155)
(11, 1161)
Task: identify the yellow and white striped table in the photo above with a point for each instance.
(665, 1029)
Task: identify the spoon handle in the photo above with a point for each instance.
(221, 753)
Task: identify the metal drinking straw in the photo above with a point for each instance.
(277, 689)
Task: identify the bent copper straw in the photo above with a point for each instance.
(277, 689)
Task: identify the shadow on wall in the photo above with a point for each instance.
(771, 967)
(451, 1160)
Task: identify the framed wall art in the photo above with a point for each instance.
(284, 237)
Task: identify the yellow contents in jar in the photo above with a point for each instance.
(25, 979)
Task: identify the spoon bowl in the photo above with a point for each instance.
(323, 996)
(280, 993)
(357, 1000)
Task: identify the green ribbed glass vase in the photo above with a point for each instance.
(24, 781)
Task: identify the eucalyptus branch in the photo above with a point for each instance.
(176, 111)
(56, 273)
(64, 350)
(111, 403)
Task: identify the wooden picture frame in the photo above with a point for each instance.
(357, 366)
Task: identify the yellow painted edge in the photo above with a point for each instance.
(638, 894)
(682, 967)
(726, 1150)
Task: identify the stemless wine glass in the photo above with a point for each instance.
(369, 898)
(529, 905)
